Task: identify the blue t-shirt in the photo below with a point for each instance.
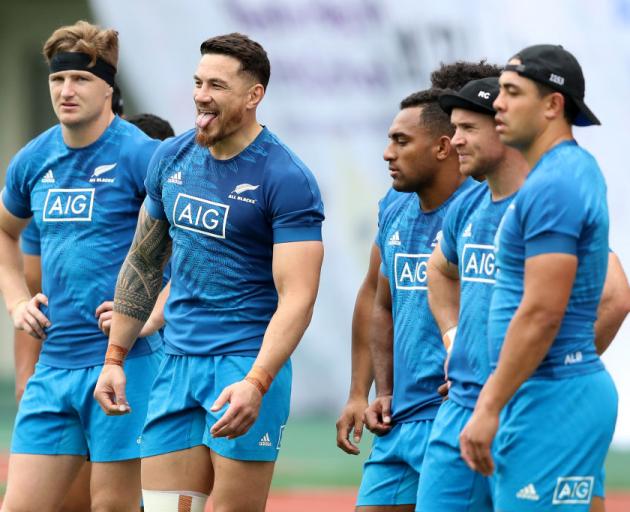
(84, 203)
(406, 239)
(225, 217)
(561, 208)
(468, 242)
(29, 240)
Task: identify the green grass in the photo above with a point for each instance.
(310, 458)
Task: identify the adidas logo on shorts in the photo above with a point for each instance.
(528, 493)
(265, 440)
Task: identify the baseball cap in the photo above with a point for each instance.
(477, 95)
(553, 66)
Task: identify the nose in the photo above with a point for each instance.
(388, 154)
(67, 91)
(203, 94)
(499, 103)
(458, 140)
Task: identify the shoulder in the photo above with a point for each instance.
(40, 146)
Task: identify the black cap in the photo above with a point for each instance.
(476, 95)
(553, 66)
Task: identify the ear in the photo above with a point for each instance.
(554, 106)
(255, 96)
(110, 92)
(443, 148)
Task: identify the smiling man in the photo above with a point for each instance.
(82, 183)
(243, 216)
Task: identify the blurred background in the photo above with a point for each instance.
(339, 70)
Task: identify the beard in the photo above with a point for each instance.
(209, 136)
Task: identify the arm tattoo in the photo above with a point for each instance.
(140, 278)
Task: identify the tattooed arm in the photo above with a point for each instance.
(138, 286)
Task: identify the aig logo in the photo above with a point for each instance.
(69, 205)
(411, 271)
(478, 263)
(573, 490)
(200, 215)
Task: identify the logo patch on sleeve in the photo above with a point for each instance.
(200, 215)
(573, 490)
(69, 205)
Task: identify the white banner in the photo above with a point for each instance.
(339, 70)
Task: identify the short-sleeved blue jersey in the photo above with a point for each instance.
(406, 238)
(468, 242)
(29, 240)
(84, 203)
(225, 217)
(561, 208)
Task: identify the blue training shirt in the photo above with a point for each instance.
(561, 208)
(225, 217)
(84, 203)
(406, 239)
(468, 242)
(29, 240)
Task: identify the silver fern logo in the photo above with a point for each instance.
(240, 189)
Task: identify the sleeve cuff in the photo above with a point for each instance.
(14, 207)
(297, 234)
(154, 208)
(448, 253)
(547, 243)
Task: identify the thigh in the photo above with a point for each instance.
(39, 482)
(552, 442)
(388, 480)
(116, 486)
(183, 470)
(77, 498)
(446, 481)
(263, 440)
(47, 422)
(229, 475)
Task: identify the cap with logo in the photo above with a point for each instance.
(553, 66)
(477, 95)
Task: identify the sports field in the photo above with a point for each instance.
(312, 474)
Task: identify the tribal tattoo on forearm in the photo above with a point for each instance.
(140, 278)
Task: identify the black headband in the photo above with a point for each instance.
(77, 61)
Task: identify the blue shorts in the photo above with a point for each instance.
(392, 471)
(552, 441)
(447, 483)
(179, 415)
(59, 416)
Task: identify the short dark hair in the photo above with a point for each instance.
(454, 76)
(154, 126)
(571, 110)
(432, 116)
(249, 53)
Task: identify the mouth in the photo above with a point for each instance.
(66, 104)
(205, 117)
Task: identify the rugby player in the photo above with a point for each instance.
(243, 215)
(552, 254)
(82, 182)
(350, 423)
(460, 276)
(406, 344)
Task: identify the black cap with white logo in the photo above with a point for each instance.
(559, 70)
(476, 95)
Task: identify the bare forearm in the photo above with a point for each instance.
(527, 342)
(614, 305)
(284, 332)
(362, 368)
(443, 299)
(381, 344)
(609, 321)
(12, 280)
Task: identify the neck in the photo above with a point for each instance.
(546, 140)
(237, 142)
(446, 182)
(84, 135)
(508, 176)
